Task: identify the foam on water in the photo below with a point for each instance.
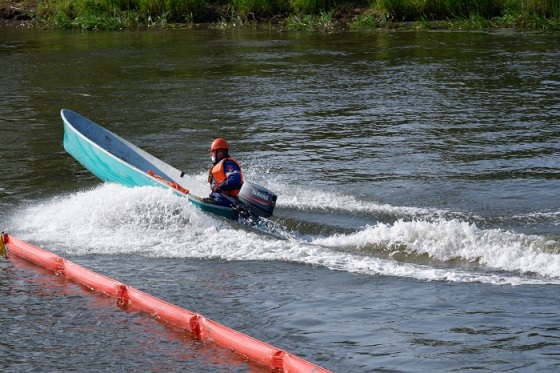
(153, 222)
(454, 240)
(301, 198)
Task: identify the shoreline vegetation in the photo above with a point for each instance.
(311, 15)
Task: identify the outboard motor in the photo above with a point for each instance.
(258, 200)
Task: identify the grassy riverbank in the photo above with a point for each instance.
(322, 15)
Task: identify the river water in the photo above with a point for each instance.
(418, 179)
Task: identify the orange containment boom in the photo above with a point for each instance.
(203, 328)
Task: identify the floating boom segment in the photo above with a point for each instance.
(201, 327)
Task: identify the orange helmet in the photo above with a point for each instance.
(219, 143)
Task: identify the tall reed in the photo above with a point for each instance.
(260, 8)
(545, 8)
(410, 10)
(277, 7)
(173, 9)
(312, 6)
(443, 9)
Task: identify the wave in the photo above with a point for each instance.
(153, 222)
(456, 241)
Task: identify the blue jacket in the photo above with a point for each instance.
(233, 179)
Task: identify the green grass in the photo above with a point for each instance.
(318, 15)
(118, 14)
(310, 22)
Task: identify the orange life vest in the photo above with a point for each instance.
(219, 174)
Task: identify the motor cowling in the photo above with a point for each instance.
(260, 201)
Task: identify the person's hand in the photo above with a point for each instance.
(216, 188)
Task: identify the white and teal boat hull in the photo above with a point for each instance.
(113, 159)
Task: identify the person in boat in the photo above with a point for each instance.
(225, 175)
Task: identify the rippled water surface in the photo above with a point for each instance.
(418, 217)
